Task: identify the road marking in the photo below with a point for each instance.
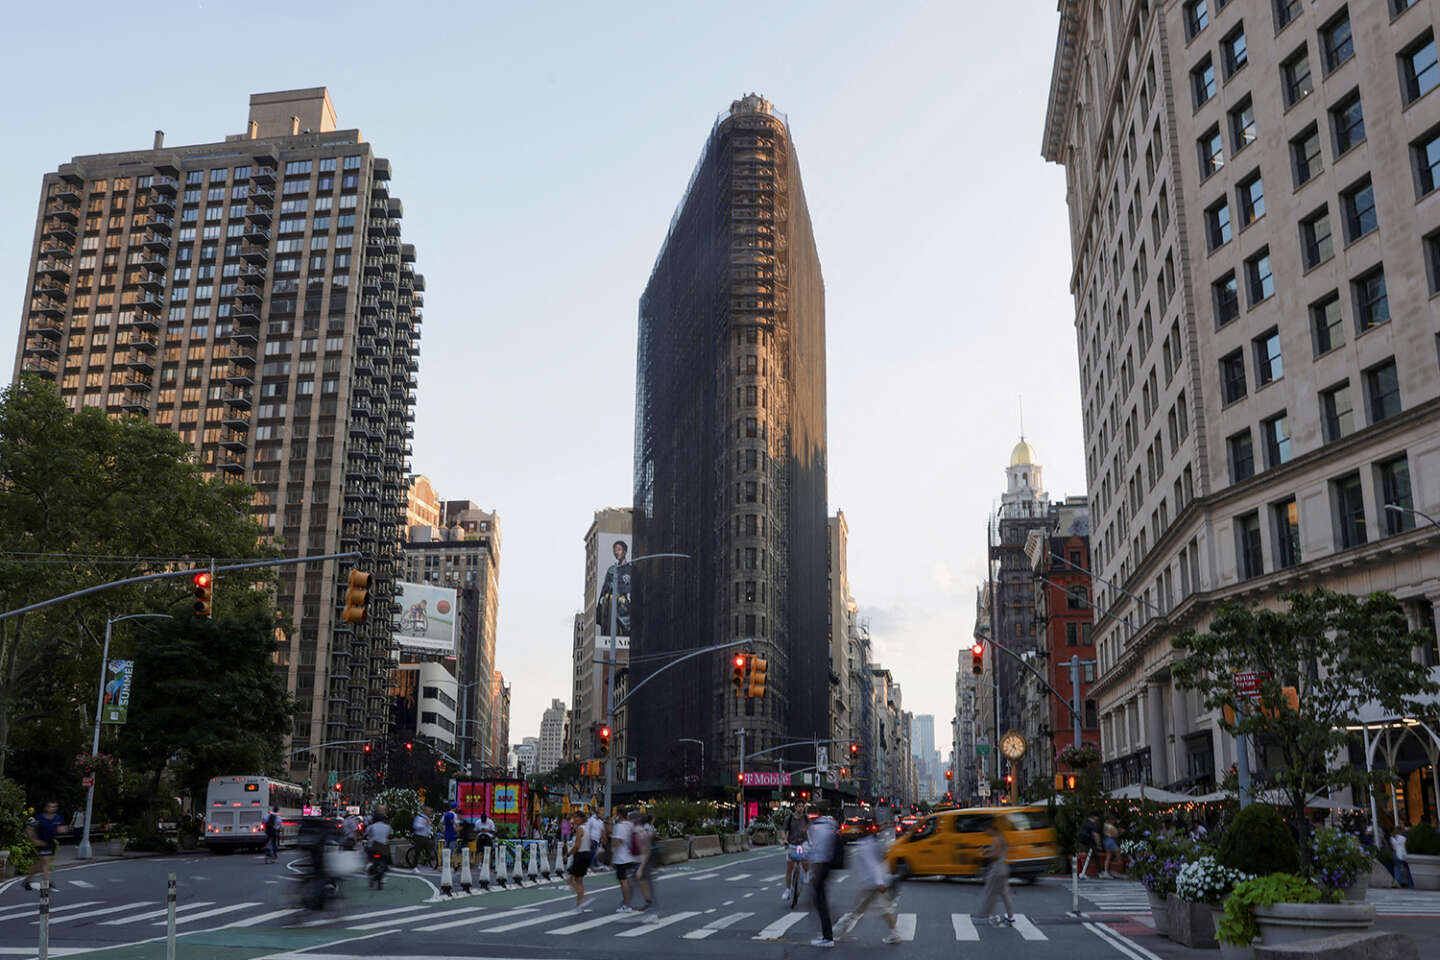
(467, 912)
(34, 911)
(749, 895)
(1027, 929)
(204, 914)
(705, 876)
(643, 929)
(86, 884)
(156, 913)
(96, 913)
(363, 916)
(1122, 944)
(506, 927)
(778, 876)
(738, 876)
(964, 927)
(55, 951)
(776, 929)
(905, 926)
(262, 918)
(588, 924)
(715, 926)
(727, 903)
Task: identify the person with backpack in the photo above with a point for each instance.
(826, 853)
(272, 835)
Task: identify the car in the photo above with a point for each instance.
(856, 827)
(952, 843)
(903, 824)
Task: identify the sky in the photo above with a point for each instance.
(540, 150)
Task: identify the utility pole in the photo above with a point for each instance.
(741, 804)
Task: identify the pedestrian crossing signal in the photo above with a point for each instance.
(204, 592)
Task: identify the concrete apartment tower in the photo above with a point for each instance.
(730, 454)
(552, 737)
(254, 295)
(1253, 222)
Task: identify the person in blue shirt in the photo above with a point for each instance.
(451, 824)
(44, 830)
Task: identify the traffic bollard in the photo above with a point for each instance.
(485, 868)
(446, 879)
(170, 920)
(502, 865)
(44, 920)
(533, 874)
(545, 859)
(465, 868)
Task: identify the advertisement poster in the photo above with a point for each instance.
(504, 800)
(118, 676)
(427, 618)
(612, 591)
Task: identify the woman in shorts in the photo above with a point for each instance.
(579, 859)
(1112, 848)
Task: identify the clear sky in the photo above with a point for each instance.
(540, 149)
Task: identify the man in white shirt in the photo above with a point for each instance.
(420, 828)
(874, 885)
(595, 831)
(623, 856)
(1402, 859)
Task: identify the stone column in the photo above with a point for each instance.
(1155, 727)
(1180, 724)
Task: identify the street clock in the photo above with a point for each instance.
(1012, 745)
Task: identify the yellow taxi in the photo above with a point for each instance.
(952, 843)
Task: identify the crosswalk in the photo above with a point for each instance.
(1115, 896)
(1404, 903)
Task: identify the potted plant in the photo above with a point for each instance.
(1203, 884)
(1156, 869)
(1422, 848)
(1339, 862)
(114, 843)
(1236, 929)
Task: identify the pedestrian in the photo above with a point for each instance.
(272, 834)
(823, 851)
(595, 834)
(797, 827)
(350, 829)
(420, 831)
(874, 885)
(1089, 841)
(997, 876)
(579, 859)
(622, 855)
(1402, 859)
(44, 830)
(1198, 831)
(645, 866)
(450, 825)
(565, 830)
(1112, 849)
(484, 833)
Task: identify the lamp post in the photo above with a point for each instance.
(1395, 507)
(610, 673)
(702, 756)
(84, 853)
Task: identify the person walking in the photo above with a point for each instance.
(595, 832)
(450, 825)
(1402, 859)
(645, 864)
(1112, 849)
(622, 855)
(272, 835)
(874, 885)
(1089, 841)
(823, 838)
(579, 859)
(350, 829)
(997, 876)
(44, 829)
(420, 830)
(797, 826)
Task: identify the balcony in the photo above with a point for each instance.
(59, 229)
(151, 303)
(136, 403)
(47, 307)
(158, 221)
(63, 210)
(379, 209)
(161, 203)
(43, 346)
(164, 185)
(144, 343)
(379, 190)
(392, 227)
(249, 294)
(67, 190)
(146, 321)
(236, 418)
(151, 280)
(152, 261)
(237, 440)
(245, 313)
(239, 375)
(236, 397)
(253, 275)
(133, 380)
(256, 213)
(54, 247)
(48, 285)
(261, 197)
(257, 234)
(267, 158)
(232, 461)
(369, 305)
(156, 241)
(137, 360)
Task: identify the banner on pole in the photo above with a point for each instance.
(115, 707)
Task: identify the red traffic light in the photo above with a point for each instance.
(1009, 778)
(337, 786)
(854, 749)
(409, 745)
(739, 778)
(439, 764)
(804, 794)
(739, 661)
(203, 579)
(604, 733)
(366, 748)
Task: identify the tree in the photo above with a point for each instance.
(1337, 652)
(79, 493)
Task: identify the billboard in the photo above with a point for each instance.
(507, 802)
(427, 618)
(612, 590)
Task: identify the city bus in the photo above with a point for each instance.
(235, 809)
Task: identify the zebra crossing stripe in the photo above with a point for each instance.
(586, 925)
(34, 910)
(255, 921)
(645, 928)
(156, 913)
(905, 926)
(738, 876)
(96, 913)
(715, 926)
(363, 916)
(465, 913)
(964, 927)
(1027, 929)
(777, 929)
(507, 927)
(205, 914)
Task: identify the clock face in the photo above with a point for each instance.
(1012, 745)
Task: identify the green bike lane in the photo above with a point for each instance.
(407, 899)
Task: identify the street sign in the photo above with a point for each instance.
(982, 748)
(87, 780)
(767, 779)
(1247, 685)
(822, 760)
(984, 788)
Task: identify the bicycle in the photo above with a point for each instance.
(797, 876)
(422, 855)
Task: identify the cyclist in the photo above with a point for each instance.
(796, 826)
(43, 829)
(424, 842)
(377, 843)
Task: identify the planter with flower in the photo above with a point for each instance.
(1422, 848)
(1155, 866)
(1340, 862)
(1285, 908)
(1200, 891)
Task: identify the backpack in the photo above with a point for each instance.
(635, 841)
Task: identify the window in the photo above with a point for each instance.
(1432, 260)
(1296, 74)
(1393, 478)
(1285, 11)
(1398, 7)
(1258, 279)
(1197, 17)
(1217, 224)
(1072, 634)
(1252, 199)
(1338, 412)
(1316, 245)
(1242, 456)
(1285, 517)
(1337, 41)
(1372, 303)
(1268, 365)
(1227, 299)
(1233, 50)
(1276, 433)
(1427, 162)
(1249, 559)
(1349, 503)
(1325, 323)
(1382, 389)
(1359, 205)
(1348, 120)
(1232, 376)
(1212, 152)
(1305, 151)
(1242, 125)
(1419, 71)
(1202, 81)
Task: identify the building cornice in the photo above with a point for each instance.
(1062, 81)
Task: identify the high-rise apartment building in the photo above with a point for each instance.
(254, 295)
(730, 452)
(591, 651)
(552, 737)
(499, 708)
(843, 630)
(1253, 223)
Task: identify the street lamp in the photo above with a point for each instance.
(702, 756)
(84, 852)
(1399, 509)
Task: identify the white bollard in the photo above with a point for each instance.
(446, 879)
(485, 868)
(44, 920)
(545, 860)
(534, 862)
(502, 864)
(465, 868)
(170, 920)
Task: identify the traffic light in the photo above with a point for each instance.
(604, 740)
(949, 774)
(366, 749)
(357, 595)
(337, 786)
(409, 746)
(1059, 781)
(439, 764)
(1070, 782)
(738, 676)
(1009, 779)
(757, 676)
(977, 658)
(204, 590)
(854, 751)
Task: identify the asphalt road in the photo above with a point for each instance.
(239, 908)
